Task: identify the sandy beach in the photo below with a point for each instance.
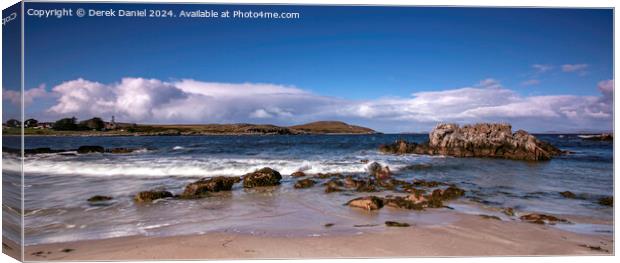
(470, 235)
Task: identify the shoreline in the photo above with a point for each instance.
(469, 235)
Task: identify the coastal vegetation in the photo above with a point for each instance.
(97, 127)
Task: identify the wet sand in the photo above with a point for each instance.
(468, 235)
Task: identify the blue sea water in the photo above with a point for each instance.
(57, 185)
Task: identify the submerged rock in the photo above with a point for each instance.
(90, 149)
(568, 194)
(333, 185)
(328, 175)
(429, 184)
(262, 177)
(304, 183)
(121, 150)
(148, 196)
(213, 184)
(452, 192)
(367, 203)
(490, 217)
(99, 198)
(542, 219)
(396, 224)
(298, 174)
(600, 137)
(607, 201)
(478, 140)
(508, 211)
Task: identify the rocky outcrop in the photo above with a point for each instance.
(262, 177)
(367, 203)
(203, 186)
(600, 137)
(90, 149)
(478, 140)
(148, 196)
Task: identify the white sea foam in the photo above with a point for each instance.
(178, 148)
(165, 166)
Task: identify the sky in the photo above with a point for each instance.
(393, 69)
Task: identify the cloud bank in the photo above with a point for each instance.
(191, 101)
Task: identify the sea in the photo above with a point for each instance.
(57, 186)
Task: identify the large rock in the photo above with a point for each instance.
(262, 177)
(214, 184)
(148, 196)
(478, 140)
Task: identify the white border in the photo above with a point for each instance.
(505, 3)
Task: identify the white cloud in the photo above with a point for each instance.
(192, 101)
(29, 95)
(530, 82)
(542, 68)
(579, 68)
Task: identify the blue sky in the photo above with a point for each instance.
(369, 60)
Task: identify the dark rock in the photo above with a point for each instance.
(328, 225)
(366, 203)
(333, 185)
(435, 199)
(607, 201)
(203, 186)
(508, 211)
(99, 198)
(377, 171)
(327, 175)
(262, 177)
(90, 149)
(600, 137)
(40, 151)
(452, 192)
(542, 219)
(67, 250)
(478, 140)
(298, 174)
(148, 196)
(305, 183)
(364, 161)
(429, 184)
(121, 150)
(403, 203)
(568, 194)
(490, 217)
(396, 224)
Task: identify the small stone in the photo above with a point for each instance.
(147, 196)
(490, 217)
(396, 224)
(607, 201)
(99, 198)
(367, 203)
(568, 194)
